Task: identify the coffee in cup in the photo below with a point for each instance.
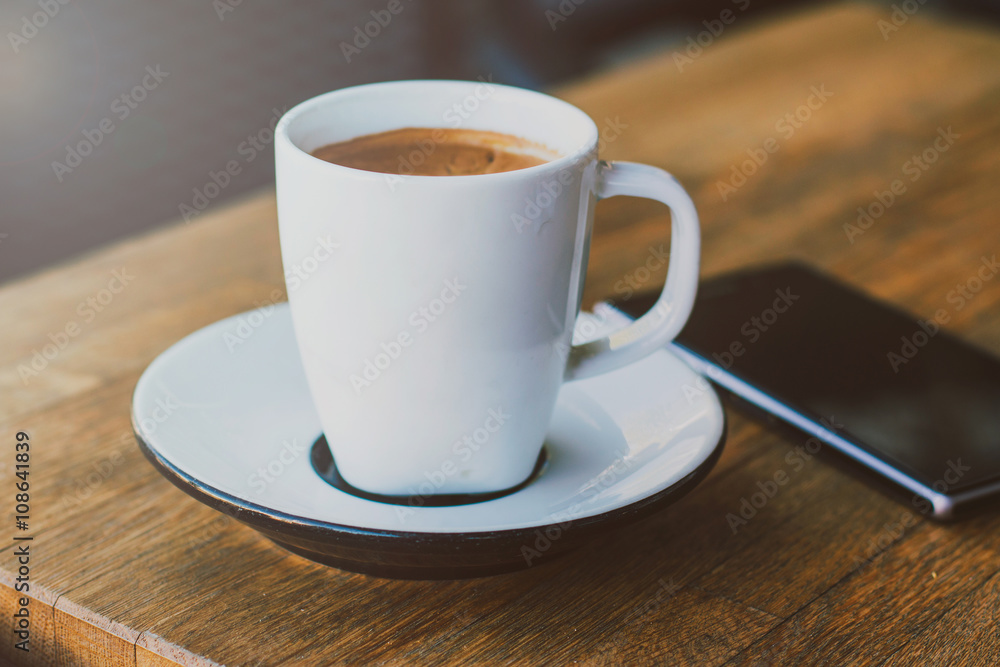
(438, 151)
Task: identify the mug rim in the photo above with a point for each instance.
(588, 145)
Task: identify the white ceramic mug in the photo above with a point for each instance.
(435, 314)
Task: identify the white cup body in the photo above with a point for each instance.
(434, 314)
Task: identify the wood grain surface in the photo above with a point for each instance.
(128, 570)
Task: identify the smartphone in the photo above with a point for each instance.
(897, 394)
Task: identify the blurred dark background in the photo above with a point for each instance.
(115, 112)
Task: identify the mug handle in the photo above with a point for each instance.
(666, 318)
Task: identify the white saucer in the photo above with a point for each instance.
(225, 414)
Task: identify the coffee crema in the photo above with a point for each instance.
(425, 151)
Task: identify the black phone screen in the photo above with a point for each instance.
(899, 387)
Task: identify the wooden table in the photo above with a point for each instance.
(126, 569)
